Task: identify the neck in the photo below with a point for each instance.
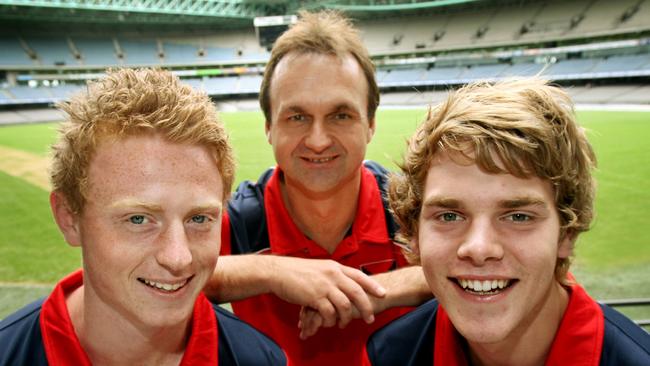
(109, 339)
(324, 217)
(531, 344)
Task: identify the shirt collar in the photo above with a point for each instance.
(62, 346)
(578, 340)
(286, 239)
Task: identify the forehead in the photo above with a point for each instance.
(148, 162)
(459, 178)
(311, 79)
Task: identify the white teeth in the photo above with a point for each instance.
(321, 160)
(483, 286)
(165, 286)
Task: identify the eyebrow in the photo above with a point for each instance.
(441, 202)
(517, 202)
(522, 202)
(132, 203)
(294, 109)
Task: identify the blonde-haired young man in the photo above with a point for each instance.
(496, 186)
(140, 174)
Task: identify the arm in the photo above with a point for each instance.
(331, 289)
(404, 287)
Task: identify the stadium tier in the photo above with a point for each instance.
(581, 41)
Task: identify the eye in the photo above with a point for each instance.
(449, 217)
(199, 219)
(519, 217)
(296, 117)
(341, 116)
(137, 219)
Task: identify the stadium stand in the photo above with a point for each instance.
(177, 53)
(12, 52)
(427, 50)
(138, 52)
(96, 51)
(51, 51)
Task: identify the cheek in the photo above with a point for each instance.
(432, 256)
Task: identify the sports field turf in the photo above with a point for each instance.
(613, 260)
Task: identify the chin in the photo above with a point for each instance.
(483, 332)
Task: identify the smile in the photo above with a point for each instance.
(166, 287)
(319, 160)
(484, 287)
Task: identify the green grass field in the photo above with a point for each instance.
(613, 260)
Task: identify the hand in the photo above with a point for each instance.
(311, 320)
(405, 287)
(337, 293)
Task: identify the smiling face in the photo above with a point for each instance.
(320, 127)
(488, 245)
(150, 230)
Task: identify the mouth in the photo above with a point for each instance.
(486, 287)
(319, 160)
(168, 287)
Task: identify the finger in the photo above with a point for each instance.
(342, 305)
(361, 302)
(310, 321)
(327, 311)
(369, 285)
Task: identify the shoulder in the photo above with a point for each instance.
(407, 340)
(246, 215)
(379, 172)
(624, 342)
(241, 344)
(20, 337)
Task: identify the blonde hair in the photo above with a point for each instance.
(133, 102)
(327, 32)
(524, 127)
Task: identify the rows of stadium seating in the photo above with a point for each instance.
(507, 25)
(614, 66)
(102, 52)
(605, 96)
(521, 22)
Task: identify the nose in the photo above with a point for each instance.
(482, 244)
(174, 252)
(318, 138)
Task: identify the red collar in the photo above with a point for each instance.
(286, 239)
(578, 340)
(62, 346)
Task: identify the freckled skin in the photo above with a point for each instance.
(153, 212)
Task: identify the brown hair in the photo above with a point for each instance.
(326, 32)
(523, 127)
(131, 102)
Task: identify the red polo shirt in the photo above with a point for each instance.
(368, 247)
(62, 346)
(578, 340)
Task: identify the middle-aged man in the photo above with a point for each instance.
(496, 187)
(140, 175)
(319, 216)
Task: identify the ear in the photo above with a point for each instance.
(566, 244)
(267, 130)
(414, 244)
(67, 220)
(371, 129)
